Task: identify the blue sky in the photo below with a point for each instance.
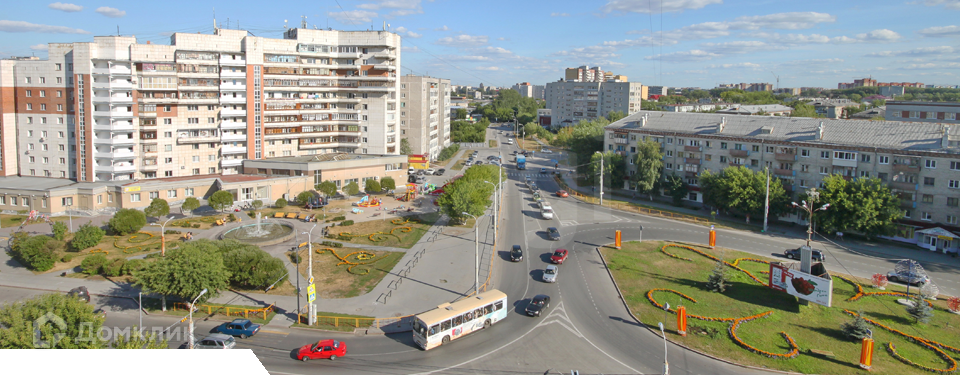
(657, 42)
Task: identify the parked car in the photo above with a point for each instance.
(323, 349)
(562, 193)
(795, 254)
(537, 305)
(546, 151)
(440, 172)
(550, 274)
(559, 256)
(421, 179)
(431, 171)
(80, 292)
(546, 213)
(491, 157)
(908, 277)
(411, 170)
(553, 233)
(478, 162)
(516, 253)
(216, 341)
(421, 172)
(527, 180)
(412, 179)
(239, 327)
(537, 197)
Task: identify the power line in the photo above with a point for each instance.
(456, 67)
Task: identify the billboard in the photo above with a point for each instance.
(418, 161)
(800, 284)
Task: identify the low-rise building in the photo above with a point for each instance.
(759, 109)
(341, 169)
(832, 108)
(933, 112)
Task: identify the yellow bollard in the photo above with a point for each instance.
(682, 320)
(713, 237)
(866, 354)
(618, 239)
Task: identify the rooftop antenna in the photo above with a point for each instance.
(118, 30)
(777, 77)
(228, 22)
(284, 24)
(214, 18)
(303, 22)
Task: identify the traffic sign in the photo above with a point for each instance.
(311, 293)
(310, 281)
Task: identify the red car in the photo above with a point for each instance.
(322, 349)
(559, 256)
(562, 194)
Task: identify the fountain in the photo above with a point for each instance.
(260, 233)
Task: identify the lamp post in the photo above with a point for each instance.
(476, 242)
(666, 365)
(601, 177)
(70, 214)
(311, 307)
(814, 197)
(163, 231)
(192, 304)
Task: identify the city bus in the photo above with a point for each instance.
(451, 321)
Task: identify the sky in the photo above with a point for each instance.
(676, 43)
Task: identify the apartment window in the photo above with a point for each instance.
(954, 184)
(668, 166)
(669, 153)
(43, 93)
(63, 161)
(167, 108)
(930, 164)
(882, 177)
(212, 170)
(154, 195)
(883, 159)
(58, 66)
(135, 197)
(804, 168)
(738, 146)
(955, 165)
(953, 202)
(168, 148)
(195, 147)
(287, 153)
(927, 198)
(59, 80)
(723, 145)
(864, 158)
(211, 158)
(59, 134)
(193, 120)
(755, 148)
(188, 192)
(196, 159)
(928, 181)
(32, 159)
(168, 160)
(723, 159)
(803, 183)
(211, 120)
(824, 154)
(926, 216)
(708, 157)
(168, 134)
(196, 171)
(28, 79)
(824, 170)
(844, 155)
(951, 219)
(172, 193)
(865, 174)
(193, 108)
(29, 93)
(99, 199)
(168, 121)
(61, 147)
(29, 106)
(907, 214)
(271, 154)
(46, 160)
(754, 163)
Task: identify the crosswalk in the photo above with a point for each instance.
(528, 174)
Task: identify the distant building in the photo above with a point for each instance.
(609, 76)
(693, 107)
(764, 109)
(570, 102)
(656, 90)
(424, 103)
(938, 112)
(751, 87)
(892, 91)
(788, 90)
(527, 90)
(583, 74)
(478, 94)
(869, 82)
(543, 118)
(871, 113)
(832, 108)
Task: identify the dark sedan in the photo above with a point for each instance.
(516, 254)
(538, 304)
(553, 233)
(795, 254)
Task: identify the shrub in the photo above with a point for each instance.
(448, 152)
(352, 188)
(388, 183)
(920, 311)
(39, 253)
(346, 223)
(328, 188)
(196, 225)
(171, 231)
(717, 282)
(256, 205)
(304, 197)
(857, 329)
(280, 203)
(339, 218)
(92, 264)
(66, 258)
(59, 230)
(133, 265)
(252, 267)
(86, 237)
(157, 208)
(372, 186)
(295, 257)
(114, 269)
(331, 244)
(190, 204)
(127, 221)
(232, 217)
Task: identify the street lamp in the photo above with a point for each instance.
(163, 231)
(601, 177)
(666, 365)
(814, 197)
(311, 307)
(70, 214)
(192, 306)
(476, 242)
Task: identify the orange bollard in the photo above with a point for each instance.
(682, 321)
(713, 237)
(618, 238)
(866, 354)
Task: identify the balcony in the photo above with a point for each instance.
(115, 155)
(784, 172)
(192, 140)
(230, 137)
(907, 204)
(229, 99)
(382, 66)
(113, 99)
(785, 156)
(620, 141)
(227, 112)
(911, 168)
(906, 186)
(113, 85)
(788, 188)
(225, 125)
(231, 162)
(690, 174)
(692, 161)
(114, 141)
(149, 166)
(117, 168)
(112, 114)
(693, 148)
(233, 87)
(113, 70)
(123, 127)
(229, 74)
(227, 60)
(230, 150)
(735, 163)
(739, 153)
(851, 163)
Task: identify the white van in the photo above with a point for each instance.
(411, 170)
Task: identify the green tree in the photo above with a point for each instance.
(86, 237)
(405, 147)
(280, 203)
(919, 310)
(158, 208)
(328, 188)
(742, 190)
(38, 253)
(388, 183)
(648, 162)
(465, 196)
(352, 188)
(59, 230)
(93, 264)
(615, 116)
(718, 280)
(448, 152)
(304, 197)
(676, 188)
(190, 204)
(857, 329)
(371, 186)
(614, 169)
(251, 267)
(802, 109)
(461, 114)
(864, 205)
(184, 272)
(53, 320)
(139, 340)
(220, 200)
(256, 205)
(127, 221)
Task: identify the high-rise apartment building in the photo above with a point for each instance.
(115, 109)
(583, 74)
(424, 109)
(570, 102)
(527, 90)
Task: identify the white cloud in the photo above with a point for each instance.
(409, 49)
(589, 53)
(39, 47)
(66, 7)
(353, 17)
(736, 47)
(684, 56)
(463, 40)
(414, 35)
(400, 7)
(489, 68)
(933, 66)
(647, 6)
(555, 14)
(881, 36)
(502, 39)
(736, 66)
(27, 27)
(788, 21)
(695, 72)
(940, 31)
(949, 4)
(922, 51)
(403, 31)
(811, 62)
(442, 28)
(111, 12)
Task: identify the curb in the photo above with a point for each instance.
(624, 301)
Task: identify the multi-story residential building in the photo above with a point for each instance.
(870, 82)
(935, 112)
(919, 161)
(527, 90)
(583, 74)
(655, 90)
(115, 109)
(832, 108)
(424, 105)
(570, 102)
(610, 76)
(747, 86)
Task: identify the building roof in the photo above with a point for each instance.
(880, 111)
(48, 184)
(754, 109)
(834, 103)
(912, 136)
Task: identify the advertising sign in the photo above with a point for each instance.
(418, 161)
(311, 293)
(801, 284)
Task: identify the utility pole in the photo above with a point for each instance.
(601, 177)
(311, 307)
(766, 203)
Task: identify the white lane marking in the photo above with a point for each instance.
(560, 314)
(595, 345)
(586, 284)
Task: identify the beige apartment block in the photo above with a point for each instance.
(118, 110)
(569, 102)
(920, 162)
(424, 105)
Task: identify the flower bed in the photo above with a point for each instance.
(794, 349)
(363, 258)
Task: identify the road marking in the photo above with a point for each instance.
(595, 345)
(560, 314)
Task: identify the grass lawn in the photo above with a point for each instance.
(493, 143)
(285, 288)
(115, 247)
(459, 165)
(334, 280)
(208, 310)
(337, 322)
(399, 237)
(640, 267)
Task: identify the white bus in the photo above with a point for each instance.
(451, 321)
